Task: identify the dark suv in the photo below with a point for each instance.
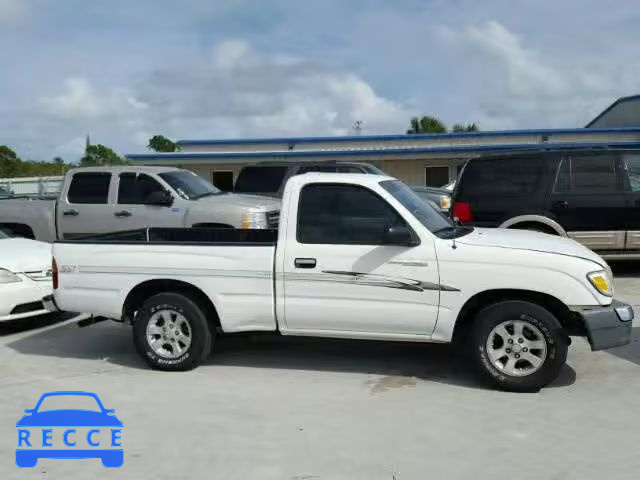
(269, 178)
(592, 196)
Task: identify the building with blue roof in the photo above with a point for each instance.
(423, 159)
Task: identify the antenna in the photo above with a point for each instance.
(455, 225)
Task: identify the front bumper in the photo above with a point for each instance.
(23, 299)
(608, 326)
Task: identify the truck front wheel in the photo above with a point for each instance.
(518, 346)
(171, 332)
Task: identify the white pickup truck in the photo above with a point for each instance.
(356, 256)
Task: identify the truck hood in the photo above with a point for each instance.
(527, 240)
(238, 200)
(22, 255)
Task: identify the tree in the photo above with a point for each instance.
(9, 162)
(160, 143)
(462, 127)
(96, 155)
(427, 124)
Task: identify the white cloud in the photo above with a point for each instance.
(81, 100)
(12, 10)
(513, 84)
(245, 92)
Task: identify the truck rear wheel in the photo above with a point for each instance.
(518, 346)
(171, 332)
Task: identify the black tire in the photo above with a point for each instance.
(200, 332)
(534, 315)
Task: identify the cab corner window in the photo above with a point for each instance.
(563, 180)
(632, 161)
(343, 214)
(89, 187)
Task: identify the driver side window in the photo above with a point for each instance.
(343, 214)
(135, 189)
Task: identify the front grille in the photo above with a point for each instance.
(27, 307)
(273, 219)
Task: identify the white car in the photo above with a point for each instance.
(355, 256)
(25, 277)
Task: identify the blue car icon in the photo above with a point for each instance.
(41, 427)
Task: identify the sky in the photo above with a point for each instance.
(123, 70)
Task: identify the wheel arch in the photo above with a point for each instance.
(546, 222)
(141, 292)
(21, 229)
(569, 321)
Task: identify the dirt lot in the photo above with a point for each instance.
(274, 408)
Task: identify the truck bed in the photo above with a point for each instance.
(98, 273)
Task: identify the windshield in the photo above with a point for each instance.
(438, 223)
(189, 185)
(69, 402)
(3, 235)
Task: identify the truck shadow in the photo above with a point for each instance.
(397, 363)
(630, 352)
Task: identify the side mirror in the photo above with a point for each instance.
(400, 235)
(159, 198)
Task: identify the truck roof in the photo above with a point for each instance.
(125, 168)
(365, 179)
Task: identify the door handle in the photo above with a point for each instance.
(70, 213)
(560, 204)
(122, 213)
(305, 262)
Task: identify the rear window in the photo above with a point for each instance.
(502, 176)
(89, 187)
(260, 179)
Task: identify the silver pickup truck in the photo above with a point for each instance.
(108, 199)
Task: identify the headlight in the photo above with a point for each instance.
(254, 220)
(445, 202)
(601, 282)
(7, 277)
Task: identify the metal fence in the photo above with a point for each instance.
(40, 186)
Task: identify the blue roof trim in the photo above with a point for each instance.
(609, 108)
(386, 152)
(391, 137)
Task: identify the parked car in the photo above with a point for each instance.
(106, 199)
(439, 197)
(269, 178)
(25, 277)
(590, 196)
(356, 256)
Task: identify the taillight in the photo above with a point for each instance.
(462, 211)
(54, 273)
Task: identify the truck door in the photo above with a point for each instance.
(133, 211)
(340, 274)
(86, 208)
